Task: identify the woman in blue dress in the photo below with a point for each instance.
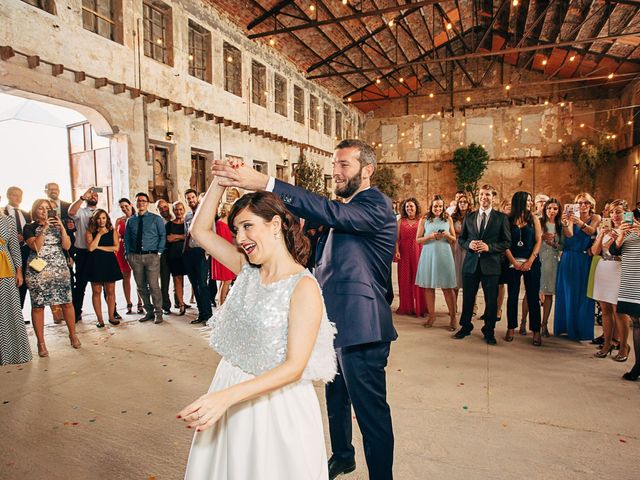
(436, 267)
(574, 312)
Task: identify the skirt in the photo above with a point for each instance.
(276, 436)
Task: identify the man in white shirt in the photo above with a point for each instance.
(14, 198)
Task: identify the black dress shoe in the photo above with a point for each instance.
(460, 334)
(147, 317)
(166, 311)
(199, 320)
(338, 467)
(490, 339)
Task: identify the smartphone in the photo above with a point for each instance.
(606, 223)
(627, 217)
(97, 189)
(52, 214)
(568, 209)
(441, 231)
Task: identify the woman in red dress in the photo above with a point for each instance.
(407, 255)
(218, 271)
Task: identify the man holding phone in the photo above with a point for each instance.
(81, 216)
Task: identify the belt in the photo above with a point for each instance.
(147, 252)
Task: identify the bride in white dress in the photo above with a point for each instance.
(261, 417)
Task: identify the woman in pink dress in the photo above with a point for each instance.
(218, 271)
(407, 255)
(121, 223)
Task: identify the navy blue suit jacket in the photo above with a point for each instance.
(353, 260)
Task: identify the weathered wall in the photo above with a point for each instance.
(61, 39)
(524, 141)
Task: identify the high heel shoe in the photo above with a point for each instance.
(623, 358)
(602, 353)
(633, 374)
(509, 335)
(452, 326)
(523, 329)
(99, 324)
(182, 310)
(140, 309)
(75, 341)
(42, 350)
(114, 322)
(545, 331)
(129, 308)
(537, 339)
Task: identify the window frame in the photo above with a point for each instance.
(48, 6)
(327, 123)
(197, 64)
(259, 87)
(232, 74)
(314, 112)
(166, 26)
(298, 105)
(281, 105)
(115, 20)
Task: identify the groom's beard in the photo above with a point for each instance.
(92, 203)
(353, 184)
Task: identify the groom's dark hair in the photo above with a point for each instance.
(367, 155)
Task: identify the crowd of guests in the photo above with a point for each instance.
(55, 250)
(571, 252)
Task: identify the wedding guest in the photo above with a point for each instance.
(522, 255)
(81, 216)
(164, 210)
(540, 203)
(550, 251)
(128, 210)
(636, 211)
(145, 239)
(412, 299)
(436, 267)
(504, 207)
(574, 312)
(14, 342)
(174, 252)
(606, 284)
(462, 208)
(21, 218)
(627, 246)
(218, 271)
(103, 270)
(47, 238)
(454, 203)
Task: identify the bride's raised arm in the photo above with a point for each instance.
(202, 231)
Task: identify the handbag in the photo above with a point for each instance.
(5, 266)
(37, 264)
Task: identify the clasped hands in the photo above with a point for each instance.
(478, 246)
(235, 173)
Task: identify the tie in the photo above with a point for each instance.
(18, 222)
(139, 234)
(483, 222)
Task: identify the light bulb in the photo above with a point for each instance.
(468, 99)
(401, 79)
(431, 95)
(610, 76)
(378, 81)
(582, 125)
(507, 87)
(544, 62)
(312, 7)
(272, 42)
(449, 26)
(572, 58)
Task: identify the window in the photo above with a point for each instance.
(46, 5)
(259, 84)
(261, 167)
(158, 36)
(338, 125)
(199, 52)
(328, 180)
(280, 94)
(280, 169)
(198, 171)
(327, 119)
(298, 104)
(103, 17)
(314, 112)
(232, 69)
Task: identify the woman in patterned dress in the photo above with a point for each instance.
(407, 254)
(550, 251)
(47, 238)
(14, 343)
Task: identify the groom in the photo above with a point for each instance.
(353, 264)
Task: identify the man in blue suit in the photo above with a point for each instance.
(353, 265)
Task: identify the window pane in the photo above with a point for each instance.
(280, 95)
(259, 91)
(232, 69)
(298, 104)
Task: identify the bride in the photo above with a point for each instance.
(261, 417)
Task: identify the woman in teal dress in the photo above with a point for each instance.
(436, 267)
(574, 312)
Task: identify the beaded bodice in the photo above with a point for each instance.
(250, 329)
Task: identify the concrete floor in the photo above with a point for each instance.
(461, 410)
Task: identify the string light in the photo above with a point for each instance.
(422, 116)
(402, 134)
(610, 76)
(344, 2)
(546, 102)
(584, 143)
(519, 119)
(468, 99)
(544, 62)
(608, 137)
(449, 26)
(526, 129)
(378, 81)
(390, 23)
(515, 3)
(613, 136)
(629, 122)
(572, 58)
(312, 7)
(582, 125)
(349, 99)
(507, 87)
(431, 95)
(159, 41)
(272, 42)
(230, 59)
(463, 124)
(190, 58)
(401, 79)
(559, 140)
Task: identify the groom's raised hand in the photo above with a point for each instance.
(236, 174)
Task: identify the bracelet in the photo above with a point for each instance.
(584, 225)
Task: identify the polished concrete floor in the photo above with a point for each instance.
(461, 410)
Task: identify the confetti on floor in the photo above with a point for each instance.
(123, 411)
(5, 402)
(622, 440)
(465, 407)
(149, 413)
(170, 380)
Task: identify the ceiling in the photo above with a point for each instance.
(366, 50)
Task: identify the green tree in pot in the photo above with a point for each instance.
(310, 175)
(384, 178)
(470, 164)
(589, 157)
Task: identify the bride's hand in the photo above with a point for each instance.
(206, 411)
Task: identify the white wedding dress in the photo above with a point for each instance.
(277, 436)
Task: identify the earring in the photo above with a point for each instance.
(277, 236)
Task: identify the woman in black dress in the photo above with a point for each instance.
(103, 270)
(175, 247)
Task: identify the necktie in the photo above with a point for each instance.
(483, 222)
(139, 234)
(18, 222)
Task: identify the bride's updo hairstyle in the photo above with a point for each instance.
(267, 205)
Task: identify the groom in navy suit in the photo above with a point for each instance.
(353, 265)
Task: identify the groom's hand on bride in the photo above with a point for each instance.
(206, 411)
(237, 174)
